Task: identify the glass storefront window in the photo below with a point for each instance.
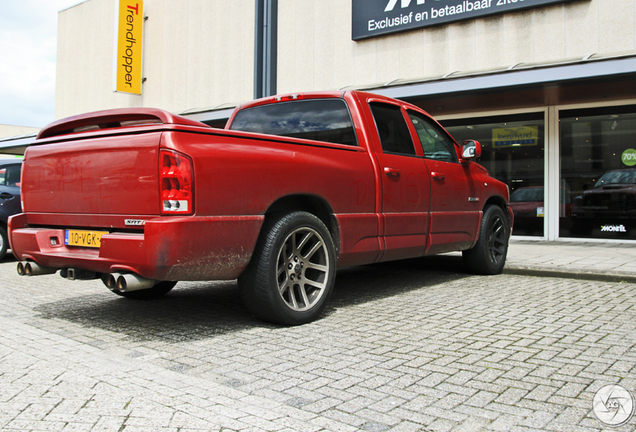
(513, 152)
(598, 166)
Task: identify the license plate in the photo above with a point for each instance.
(84, 238)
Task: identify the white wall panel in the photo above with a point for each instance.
(197, 54)
(200, 53)
(546, 34)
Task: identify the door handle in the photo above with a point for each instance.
(5, 195)
(391, 172)
(438, 175)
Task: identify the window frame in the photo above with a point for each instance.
(409, 133)
(440, 130)
(352, 126)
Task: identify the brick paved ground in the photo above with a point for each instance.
(403, 347)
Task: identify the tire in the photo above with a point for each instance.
(4, 242)
(292, 272)
(157, 291)
(488, 256)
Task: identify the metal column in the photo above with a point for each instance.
(265, 50)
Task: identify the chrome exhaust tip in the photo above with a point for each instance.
(132, 282)
(29, 268)
(110, 280)
(118, 282)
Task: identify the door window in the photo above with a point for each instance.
(392, 129)
(436, 144)
(10, 175)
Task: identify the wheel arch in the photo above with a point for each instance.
(313, 204)
(500, 202)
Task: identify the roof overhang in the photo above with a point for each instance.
(592, 78)
(576, 81)
(16, 145)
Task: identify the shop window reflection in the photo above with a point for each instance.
(598, 163)
(513, 152)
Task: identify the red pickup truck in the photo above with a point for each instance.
(295, 187)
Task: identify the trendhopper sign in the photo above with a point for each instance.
(379, 17)
(128, 38)
(515, 137)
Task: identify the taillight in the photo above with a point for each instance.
(176, 183)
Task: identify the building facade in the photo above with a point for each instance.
(12, 130)
(547, 86)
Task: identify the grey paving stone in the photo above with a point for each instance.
(404, 347)
(511, 396)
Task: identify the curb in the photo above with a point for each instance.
(543, 272)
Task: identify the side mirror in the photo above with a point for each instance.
(471, 149)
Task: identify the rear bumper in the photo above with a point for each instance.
(179, 248)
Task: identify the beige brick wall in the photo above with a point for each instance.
(316, 50)
(7, 131)
(200, 53)
(197, 53)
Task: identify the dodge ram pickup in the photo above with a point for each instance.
(293, 188)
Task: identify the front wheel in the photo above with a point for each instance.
(292, 272)
(488, 256)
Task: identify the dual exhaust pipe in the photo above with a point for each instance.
(116, 282)
(28, 268)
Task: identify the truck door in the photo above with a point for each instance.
(455, 195)
(405, 185)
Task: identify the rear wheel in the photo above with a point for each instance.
(292, 272)
(159, 290)
(488, 256)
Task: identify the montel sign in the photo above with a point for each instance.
(372, 18)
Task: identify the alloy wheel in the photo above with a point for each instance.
(496, 240)
(302, 269)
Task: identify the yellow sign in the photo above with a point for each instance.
(129, 35)
(515, 136)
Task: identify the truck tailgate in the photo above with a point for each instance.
(104, 175)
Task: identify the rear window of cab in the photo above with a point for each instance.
(326, 120)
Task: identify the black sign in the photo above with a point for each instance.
(380, 17)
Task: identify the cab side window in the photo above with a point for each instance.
(436, 144)
(392, 129)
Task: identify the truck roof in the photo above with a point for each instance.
(339, 94)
